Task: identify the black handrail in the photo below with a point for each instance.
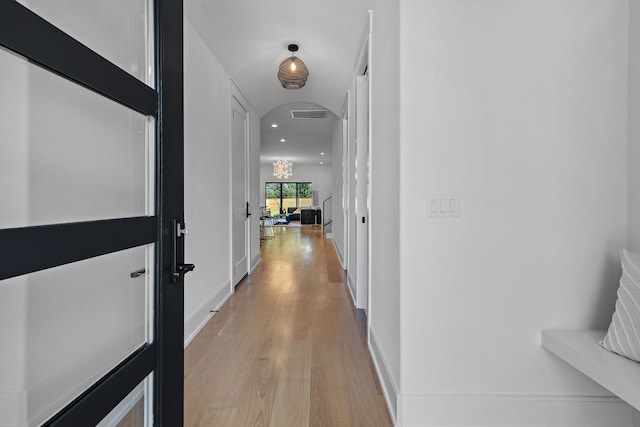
(327, 217)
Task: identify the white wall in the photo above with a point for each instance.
(207, 177)
(521, 108)
(385, 202)
(634, 126)
(207, 181)
(255, 190)
(319, 175)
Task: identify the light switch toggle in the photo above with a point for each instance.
(445, 205)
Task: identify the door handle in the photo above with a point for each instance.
(184, 268)
(248, 213)
(137, 273)
(178, 269)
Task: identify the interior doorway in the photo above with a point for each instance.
(239, 192)
(362, 192)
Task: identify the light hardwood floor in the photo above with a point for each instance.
(287, 349)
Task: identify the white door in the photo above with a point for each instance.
(362, 185)
(352, 215)
(239, 200)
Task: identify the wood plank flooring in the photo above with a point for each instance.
(287, 349)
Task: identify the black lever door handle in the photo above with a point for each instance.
(185, 268)
(248, 213)
(181, 270)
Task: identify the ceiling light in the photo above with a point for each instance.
(292, 72)
(322, 163)
(282, 169)
(322, 154)
(283, 140)
(274, 125)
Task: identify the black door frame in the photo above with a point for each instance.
(26, 250)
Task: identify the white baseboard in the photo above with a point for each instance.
(389, 388)
(352, 288)
(338, 253)
(196, 322)
(254, 262)
(13, 409)
(512, 411)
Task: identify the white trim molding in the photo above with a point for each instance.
(338, 254)
(389, 389)
(199, 319)
(431, 410)
(351, 286)
(254, 262)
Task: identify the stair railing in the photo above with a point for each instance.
(327, 218)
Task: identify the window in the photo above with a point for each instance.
(282, 195)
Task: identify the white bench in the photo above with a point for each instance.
(581, 350)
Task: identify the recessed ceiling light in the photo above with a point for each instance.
(283, 140)
(322, 154)
(274, 125)
(322, 163)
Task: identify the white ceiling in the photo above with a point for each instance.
(306, 139)
(250, 38)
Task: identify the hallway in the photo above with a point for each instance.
(287, 349)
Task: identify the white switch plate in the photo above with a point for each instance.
(443, 205)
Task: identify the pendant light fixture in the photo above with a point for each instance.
(282, 169)
(292, 72)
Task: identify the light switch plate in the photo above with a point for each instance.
(443, 205)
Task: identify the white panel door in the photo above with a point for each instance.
(362, 185)
(239, 198)
(352, 215)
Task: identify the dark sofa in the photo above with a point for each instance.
(291, 216)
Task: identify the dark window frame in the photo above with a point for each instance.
(281, 184)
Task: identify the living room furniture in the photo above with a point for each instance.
(310, 216)
(266, 225)
(281, 219)
(292, 215)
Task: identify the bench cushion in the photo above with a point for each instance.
(623, 336)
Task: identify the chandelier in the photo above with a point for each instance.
(282, 169)
(292, 72)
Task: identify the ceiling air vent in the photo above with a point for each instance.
(308, 114)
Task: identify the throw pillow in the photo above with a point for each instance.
(623, 336)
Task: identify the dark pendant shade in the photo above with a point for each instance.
(293, 72)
